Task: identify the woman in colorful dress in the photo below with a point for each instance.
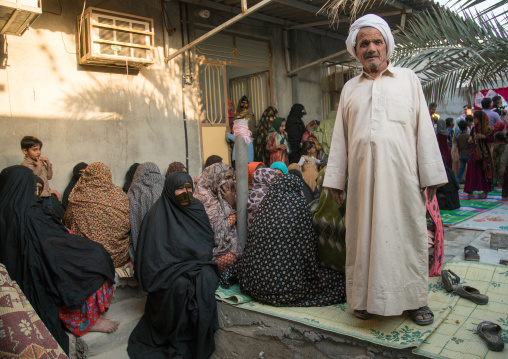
(261, 135)
(65, 277)
(443, 136)
(480, 169)
(99, 210)
(216, 190)
(278, 143)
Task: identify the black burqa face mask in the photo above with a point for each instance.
(186, 196)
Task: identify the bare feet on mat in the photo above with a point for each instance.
(104, 316)
(105, 326)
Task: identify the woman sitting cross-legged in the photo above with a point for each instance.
(279, 264)
(65, 277)
(174, 265)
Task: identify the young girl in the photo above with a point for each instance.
(479, 174)
(277, 143)
(497, 151)
(308, 163)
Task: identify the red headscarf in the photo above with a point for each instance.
(498, 127)
(252, 167)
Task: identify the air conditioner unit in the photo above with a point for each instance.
(108, 38)
(17, 15)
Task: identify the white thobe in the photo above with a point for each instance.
(384, 143)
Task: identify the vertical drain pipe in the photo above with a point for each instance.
(242, 134)
(184, 80)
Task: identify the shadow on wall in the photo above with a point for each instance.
(124, 98)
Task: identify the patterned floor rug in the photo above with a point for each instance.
(495, 218)
(470, 208)
(454, 322)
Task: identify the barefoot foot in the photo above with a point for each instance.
(104, 316)
(105, 326)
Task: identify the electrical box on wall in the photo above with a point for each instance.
(108, 38)
(17, 15)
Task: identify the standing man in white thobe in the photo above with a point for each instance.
(384, 143)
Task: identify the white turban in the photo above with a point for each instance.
(370, 20)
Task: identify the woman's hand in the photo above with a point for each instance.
(228, 194)
(282, 147)
(129, 267)
(480, 136)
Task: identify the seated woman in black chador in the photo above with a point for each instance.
(68, 279)
(279, 265)
(174, 265)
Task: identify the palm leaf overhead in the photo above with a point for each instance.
(452, 53)
(467, 4)
(351, 7)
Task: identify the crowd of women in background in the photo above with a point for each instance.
(472, 148)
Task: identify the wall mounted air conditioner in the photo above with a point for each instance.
(108, 38)
(17, 15)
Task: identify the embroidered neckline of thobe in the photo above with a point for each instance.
(390, 68)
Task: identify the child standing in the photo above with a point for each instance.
(497, 151)
(309, 163)
(41, 167)
(463, 147)
(278, 143)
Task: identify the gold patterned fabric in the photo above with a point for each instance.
(99, 210)
(22, 332)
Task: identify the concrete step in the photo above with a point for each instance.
(127, 311)
(117, 353)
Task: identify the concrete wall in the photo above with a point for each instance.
(85, 113)
(90, 113)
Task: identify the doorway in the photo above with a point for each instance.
(229, 66)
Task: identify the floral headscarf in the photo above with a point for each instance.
(217, 209)
(99, 210)
(261, 181)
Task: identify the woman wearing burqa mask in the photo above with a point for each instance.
(174, 265)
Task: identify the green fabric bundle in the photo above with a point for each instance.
(330, 226)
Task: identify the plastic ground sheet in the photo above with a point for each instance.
(470, 208)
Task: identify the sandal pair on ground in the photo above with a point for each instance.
(480, 196)
(451, 281)
(362, 314)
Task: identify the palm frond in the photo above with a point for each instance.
(468, 4)
(451, 53)
(351, 7)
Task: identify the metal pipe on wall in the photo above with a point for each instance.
(242, 184)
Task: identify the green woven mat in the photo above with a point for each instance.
(395, 332)
(456, 337)
(452, 335)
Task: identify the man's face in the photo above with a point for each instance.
(370, 48)
(432, 110)
(244, 105)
